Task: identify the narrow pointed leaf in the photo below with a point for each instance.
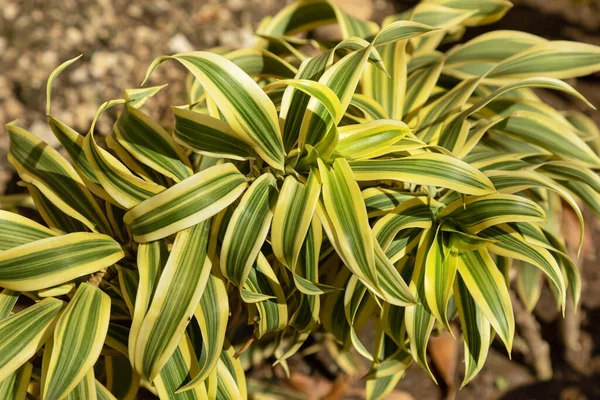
(179, 289)
(16, 230)
(42, 166)
(78, 340)
(55, 260)
(246, 108)
(294, 210)
(148, 142)
(187, 203)
(247, 229)
(209, 136)
(211, 315)
(22, 334)
(475, 329)
(486, 285)
(425, 169)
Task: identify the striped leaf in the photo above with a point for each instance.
(517, 181)
(246, 108)
(177, 372)
(308, 14)
(306, 276)
(211, 315)
(453, 138)
(294, 102)
(486, 286)
(432, 117)
(150, 144)
(179, 289)
(417, 212)
(403, 244)
(247, 229)
(137, 97)
(102, 393)
(56, 291)
(87, 388)
(475, 329)
(425, 169)
(71, 140)
(22, 334)
(560, 59)
(151, 260)
(209, 136)
(187, 203)
(8, 299)
(261, 63)
(292, 217)
(234, 366)
(388, 87)
(326, 96)
(73, 143)
(51, 214)
(550, 135)
(55, 260)
(342, 78)
(380, 200)
(400, 30)
(370, 109)
(77, 342)
(16, 230)
(272, 311)
(478, 213)
(437, 16)
(43, 167)
(393, 287)
(440, 270)
(371, 139)
(509, 243)
(564, 170)
(421, 83)
(133, 164)
(349, 232)
(419, 324)
(128, 283)
(125, 188)
(479, 55)
(486, 11)
(16, 385)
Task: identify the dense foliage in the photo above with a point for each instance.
(307, 188)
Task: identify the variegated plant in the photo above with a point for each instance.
(307, 188)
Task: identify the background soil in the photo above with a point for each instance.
(119, 38)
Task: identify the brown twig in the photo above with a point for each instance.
(96, 277)
(530, 331)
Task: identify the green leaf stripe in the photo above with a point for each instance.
(22, 334)
(55, 260)
(247, 229)
(147, 141)
(179, 290)
(427, 168)
(42, 166)
(209, 136)
(78, 340)
(187, 203)
(16, 230)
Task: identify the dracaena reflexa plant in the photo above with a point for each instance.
(307, 188)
